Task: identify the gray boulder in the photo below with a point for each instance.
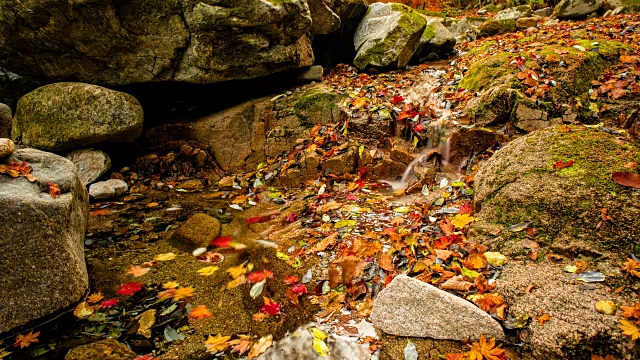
(125, 42)
(576, 9)
(42, 259)
(514, 13)
(410, 307)
(91, 164)
(388, 36)
(66, 116)
(5, 121)
(323, 19)
(543, 12)
(108, 189)
(436, 39)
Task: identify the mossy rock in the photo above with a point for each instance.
(317, 105)
(66, 116)
(519, 184)
(500, 92)
(388, 36)
(497, 27)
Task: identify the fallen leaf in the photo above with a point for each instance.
(475, 262)
(184, 293)
(216, 343)
(456, 283)
(147, 319)
(95, 298)
(627, 179)
(495, 258)
(261, 346)
(200, 312)
(607, 307)
(485, 350)
(137, 271)
(632, 267)
(208, 271)
(54, 190)
(24, 341)
(629, 329)
(129, 288)
(270, 307)
(83, 310)
(542, 318)
(165, 257)
(461, 220)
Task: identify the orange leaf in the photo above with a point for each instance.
(200, 312)
(25, 340)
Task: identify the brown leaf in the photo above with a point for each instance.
(456, 283)
(352, 267)
(533, 246)
(385, 261)
(326, 243)
(627, 179)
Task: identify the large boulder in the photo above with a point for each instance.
(5, 120)
(116, 43)
(66, 116)
(42, 239)
(514, 13)
(410, 307)
(576, 9)
(324, 20)
(496, 27)
(91, 164)
(388, 36)
(436, 39)
(522, 183)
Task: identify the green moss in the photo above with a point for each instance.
(315, 104)
(429, 32)
(484, 73)
(496, 27)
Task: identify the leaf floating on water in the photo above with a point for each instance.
(590, 277)
(165, 257)
(519, 227)
(627, 179)
(257, 288)
(410, 352)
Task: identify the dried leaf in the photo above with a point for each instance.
(627, 179)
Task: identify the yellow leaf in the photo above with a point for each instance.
(495, 258)
(317, 333)
(147, 319)
(83, 310)
(345, 223)
(165, 257)
(261, 346)
(320, 347)
(629, 329)
(237, 282)
(237, 271)
(95, 298)
(170, 285)
(359, 102)
(217, 343)
(4, 353)
(183, 293)
(607, 307)
(460, 221)
(208, 271)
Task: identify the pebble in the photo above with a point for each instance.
(7, 147)
(108, 189)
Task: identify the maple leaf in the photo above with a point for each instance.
(222, 241)
(466, 208)
(200, 312)
(489, 302)
(108, 303)
(364, 248)
(291, 217)
(237, 271)
(461, 220)
(396, 99)
(632, 267)
(24, 341)
(629, 329)
(290, 279)
(270, 307)
(446, 226)
(241, 345)
(359, 102)
(257, 276)
(137, 271)
(217, 343)
(631, 312)
(476, 262)
(129, 288)
(208, 271)
(83, 310)
(486, 350)
(559, 165)
(183, 293)
(54, 190)
(95, 298)
(170, 285)
(299, 289)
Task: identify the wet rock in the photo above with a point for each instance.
(519, 184)
(388, 169)
(527, 22)
(410, 307)
(546, 12)
(496, 27)
(5, 121)
(309, 166)
(576, 9)
(313, 73)
(575, 329)
(465, 143)
(200, 159)
(120, 43)
(529, 119)
(91, 164)
(67, 116)
(514, 13)
(388, 36)
(400, 150)
(198, 231)
(227, 181)
(6, 147)
(323, 19)
(108, 189)
(108, 349)
(42, 259)
(436, 39)
(193, 184)
(342, 164)
(299, 345)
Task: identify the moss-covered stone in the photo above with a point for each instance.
(519, 183)
(497, 27)
(388, 36)
(65, 116)
(315, 106)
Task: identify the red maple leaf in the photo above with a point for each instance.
(222, 241)
(290, 279)
(258, 219)
(291, 217)
(562, 165)
(129, 288)
(270, 307)
(108, 303)
(466, 208)
(418, 128)
(299, 289)
(397, 99)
